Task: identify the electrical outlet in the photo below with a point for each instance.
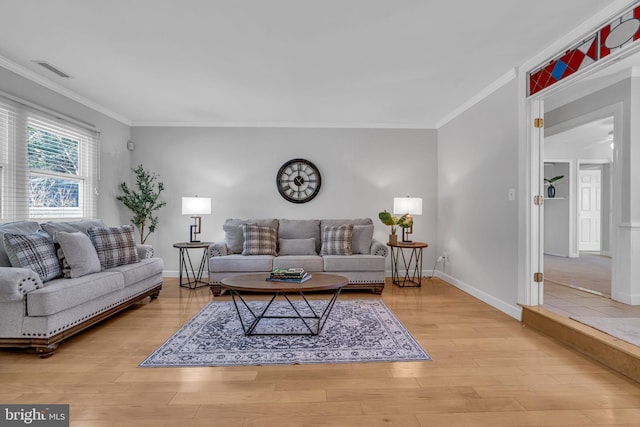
(445, 256)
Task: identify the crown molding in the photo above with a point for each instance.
(59, 89)
(302, 125)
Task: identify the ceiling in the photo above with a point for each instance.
(334, 63)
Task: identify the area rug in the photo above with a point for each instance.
(356, 331)
(624, 328)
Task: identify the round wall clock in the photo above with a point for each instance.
(298, 181)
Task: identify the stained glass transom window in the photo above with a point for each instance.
(618, 34)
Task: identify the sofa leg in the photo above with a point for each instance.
(46, 351)
(155, 295)
(377, 290)
(216, 289)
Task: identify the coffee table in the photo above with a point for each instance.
(312, 319)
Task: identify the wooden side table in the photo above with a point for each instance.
(195, 279)
(412, 264)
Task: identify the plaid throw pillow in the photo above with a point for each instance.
(35, 252)
(337, 240)
(258, 240)
(114, 245)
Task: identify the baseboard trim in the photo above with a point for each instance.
(514, 311)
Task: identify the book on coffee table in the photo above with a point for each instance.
(289, 279)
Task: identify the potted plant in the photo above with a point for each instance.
(551, 189)
(393, 222)
(143, 201)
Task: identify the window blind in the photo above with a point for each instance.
(48, 167)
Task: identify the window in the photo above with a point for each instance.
(48, 167)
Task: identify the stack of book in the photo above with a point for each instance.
(291, 275)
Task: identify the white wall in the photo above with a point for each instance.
(114, 157)
(362, 170)
(477, 224)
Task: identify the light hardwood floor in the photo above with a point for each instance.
(487, 370)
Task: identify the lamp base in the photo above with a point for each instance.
(193, 230)
(405, 239)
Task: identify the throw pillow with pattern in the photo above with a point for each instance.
(258, 240)
(336, 240)
(114, 245)
(35, 252)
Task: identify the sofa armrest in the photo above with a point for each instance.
(218, 249)
(15, 283)
(144, 251)
(379, 248)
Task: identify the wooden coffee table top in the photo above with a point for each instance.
(257, 283)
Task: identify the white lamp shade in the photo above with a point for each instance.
(407, 205)
(196, 205)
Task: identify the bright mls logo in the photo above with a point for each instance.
(34, 415)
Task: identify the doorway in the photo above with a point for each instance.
(577, 221)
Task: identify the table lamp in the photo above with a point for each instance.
(407, 206)
(195, 206)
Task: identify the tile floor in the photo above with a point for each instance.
(568, 302)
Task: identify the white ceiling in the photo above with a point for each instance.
(369, 63)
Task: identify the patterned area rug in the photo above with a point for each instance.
(356, 331)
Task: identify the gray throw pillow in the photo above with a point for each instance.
(79, 254)
(297, 246)
(361, 239)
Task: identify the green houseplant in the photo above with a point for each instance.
(393, 222)
(551, 189)
(143, 201)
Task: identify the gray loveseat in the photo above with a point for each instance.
(108, 272)
(341, 246)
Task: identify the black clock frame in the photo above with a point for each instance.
(283, 187)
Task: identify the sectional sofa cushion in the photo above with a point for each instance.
(79, 256)
(237, 262)
(82, 226)
(234, 235)
(300, 229)
(62, 294)
(308, 262)
(337, 263)
(336, 240)
(258, 240)
(33, 251)
(17, 227)
(114, 245)
(297, 246)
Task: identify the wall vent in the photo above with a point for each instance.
(53, 69)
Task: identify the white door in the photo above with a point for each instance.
(589, 212)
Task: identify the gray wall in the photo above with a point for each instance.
(114, 157)
(477, 223)
(362, 170)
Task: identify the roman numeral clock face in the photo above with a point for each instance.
(298, 181)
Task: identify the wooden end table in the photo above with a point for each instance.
(412, 264)
(195, 280)
(257, 283)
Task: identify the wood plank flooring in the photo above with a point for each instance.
(487, 370)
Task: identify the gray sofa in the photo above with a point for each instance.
(301, 243)
(39, 308)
